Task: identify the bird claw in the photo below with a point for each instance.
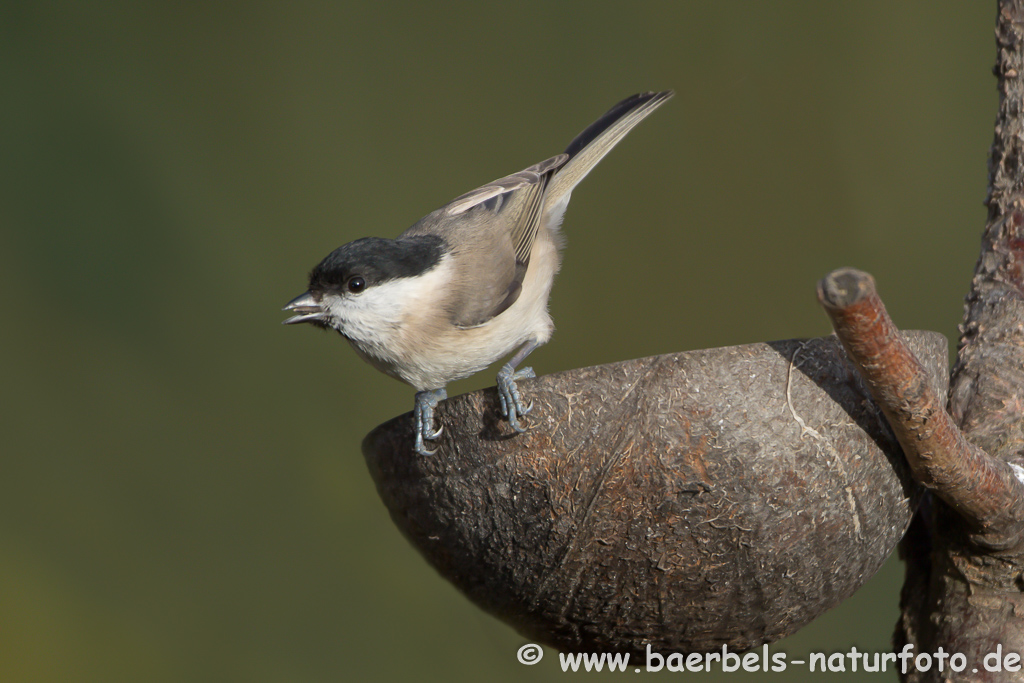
(426, 401)
(511, 401)
(421, 449)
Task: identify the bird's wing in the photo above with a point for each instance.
(515, 200)
(491, 231)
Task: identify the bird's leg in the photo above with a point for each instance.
(426, 401)
(508, 392)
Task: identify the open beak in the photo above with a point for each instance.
(307, 308)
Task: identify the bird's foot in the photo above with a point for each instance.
(426, 401)
(508, 394)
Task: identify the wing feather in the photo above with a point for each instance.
(498, 224)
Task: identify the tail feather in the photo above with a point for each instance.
(590, 146)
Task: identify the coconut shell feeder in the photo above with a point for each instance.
(685, 501)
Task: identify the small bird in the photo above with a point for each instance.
(467, 284)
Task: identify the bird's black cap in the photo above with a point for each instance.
(377, 260)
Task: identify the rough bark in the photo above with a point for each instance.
(963, 589)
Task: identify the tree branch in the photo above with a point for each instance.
(983, 490)
(986, 388)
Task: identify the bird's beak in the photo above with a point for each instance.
(307, 308)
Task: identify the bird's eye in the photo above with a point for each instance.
(356, 284)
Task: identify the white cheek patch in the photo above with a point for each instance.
(376, 314)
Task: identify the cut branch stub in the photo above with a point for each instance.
(686, 501)
(983, 490)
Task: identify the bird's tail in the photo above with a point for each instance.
(590, 146)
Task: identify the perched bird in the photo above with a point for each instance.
(466, 285)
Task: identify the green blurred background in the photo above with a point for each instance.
(182, 495)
